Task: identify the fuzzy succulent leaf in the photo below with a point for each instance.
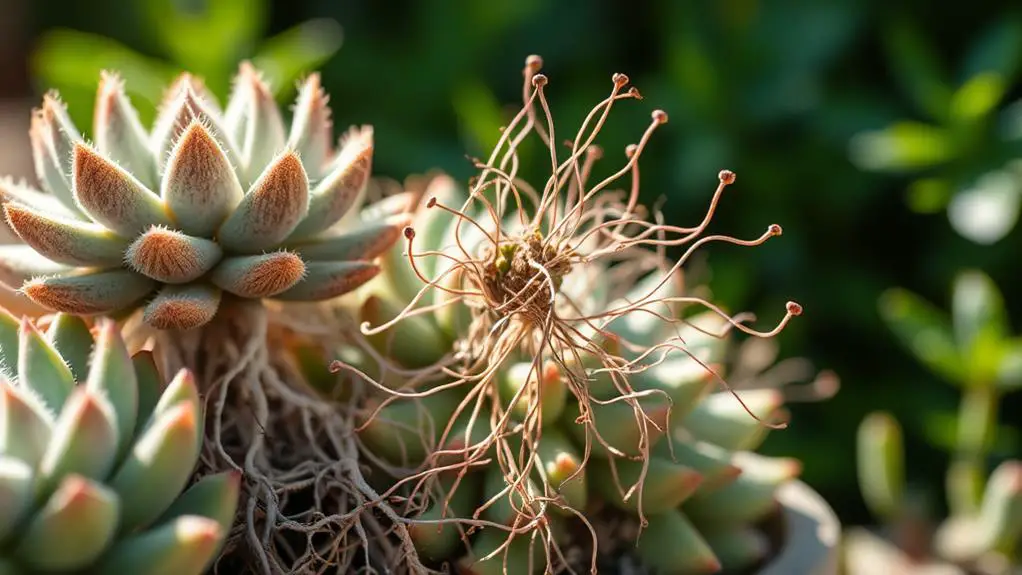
(41, 369)
(150, 387)
(182, 307)
(112, 375)
(259, 276)
(271, 209)
(21, 263)
(66, 241)
(172, 257)
(15, 492)
(119, 133)
(213, 496)
(325, 280)
(113, 197)
(367, 242)
(25, 424)
(89, 292)
(84, 441)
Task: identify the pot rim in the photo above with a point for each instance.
(812, 533)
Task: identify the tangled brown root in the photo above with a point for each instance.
(306, 506)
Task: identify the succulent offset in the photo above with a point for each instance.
(207, 205)
(95, 450)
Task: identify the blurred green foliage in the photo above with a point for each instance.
(780, 91)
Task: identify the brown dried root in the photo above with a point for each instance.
(306, 505)
(532, 242)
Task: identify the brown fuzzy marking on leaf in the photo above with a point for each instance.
(272, 276)
(36, 231)
(180, 314)
(100, 185)
(65, 299)
(278, 201)
(200, 164)
(161, 253)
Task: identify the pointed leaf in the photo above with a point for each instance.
(562, 464)
(924, 330)
(82, 515)
(200, 187)
(256, 120)
(185, 108)
(550, 384)
(182, 307)
(980, 323)
(747, 500)
(113, 196)
(112, 375)
(15, 493)
(25, 424)
(90, 292)
(150, 387)
(414, 341)
(157, 468)
(278, 200)
(671, 544)
(665, 485)
(25, 195)
(523, 556)
(259, 276)
(739, 548)
(342, 188)
(685, 380)
(326, 280)
(213, 496)
(881, 464)
(119, 134)
(84, 442)
(721, 420)
(187, 544)
(312, 127)
(10, 335)
(66, 241)
(20, 263)
(361, 244)
(437, 542)
(182, 389)
(169, 256)
(713, 462)
(42, 369)
(70, 335)
(53, 135)
(618, 424)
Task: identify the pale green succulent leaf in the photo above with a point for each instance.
(42, 369)
(21, 193)
(119, 133)
(53, 135)
(550, 383)
(415, 342)
(200, 186)
(311, 132)
(255, 121)
(739, 547)
(182, 307)
(437, 542)
(15, 493)
(181, 390)
(672, 545)
(183, 546)
(684, 379)
(562, 465)
(666, 484)
(113, 196)
(504, 502)
(187, 104)
(618, 425)
(25, 424)
(980, 323)
(66, 241)
(213, 496)
(170, 256)
(326, 280)
(341, 189)
(259, 276)
(713, 462)
(749, 498)
(720, 418)
(271, 209)
(71, 336)
(881, 464)
(150, 387)
(157, 468)
(89, 292)
(364, 243)
(925, 331)
(81, 515)
(112, 375)
(20, 263)
(10, 335)
(84, 442)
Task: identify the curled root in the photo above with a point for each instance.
(306, 504)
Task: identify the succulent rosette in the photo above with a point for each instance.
(209, 204)
(96, 451)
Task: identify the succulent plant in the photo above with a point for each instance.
(94, 454)
(209, 204)
(974, 350)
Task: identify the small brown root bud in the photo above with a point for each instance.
(727, 177)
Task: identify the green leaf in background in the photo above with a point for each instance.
(1009, 374)
(207, 36)
(939, 428)
(479, 113)
(881, 464)
(71, 61)
(980, 323)
(925, 331)
(977, 97)
(929, 195)
(903, 146)
(988, 210)
(284, 58)
(916, 67)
